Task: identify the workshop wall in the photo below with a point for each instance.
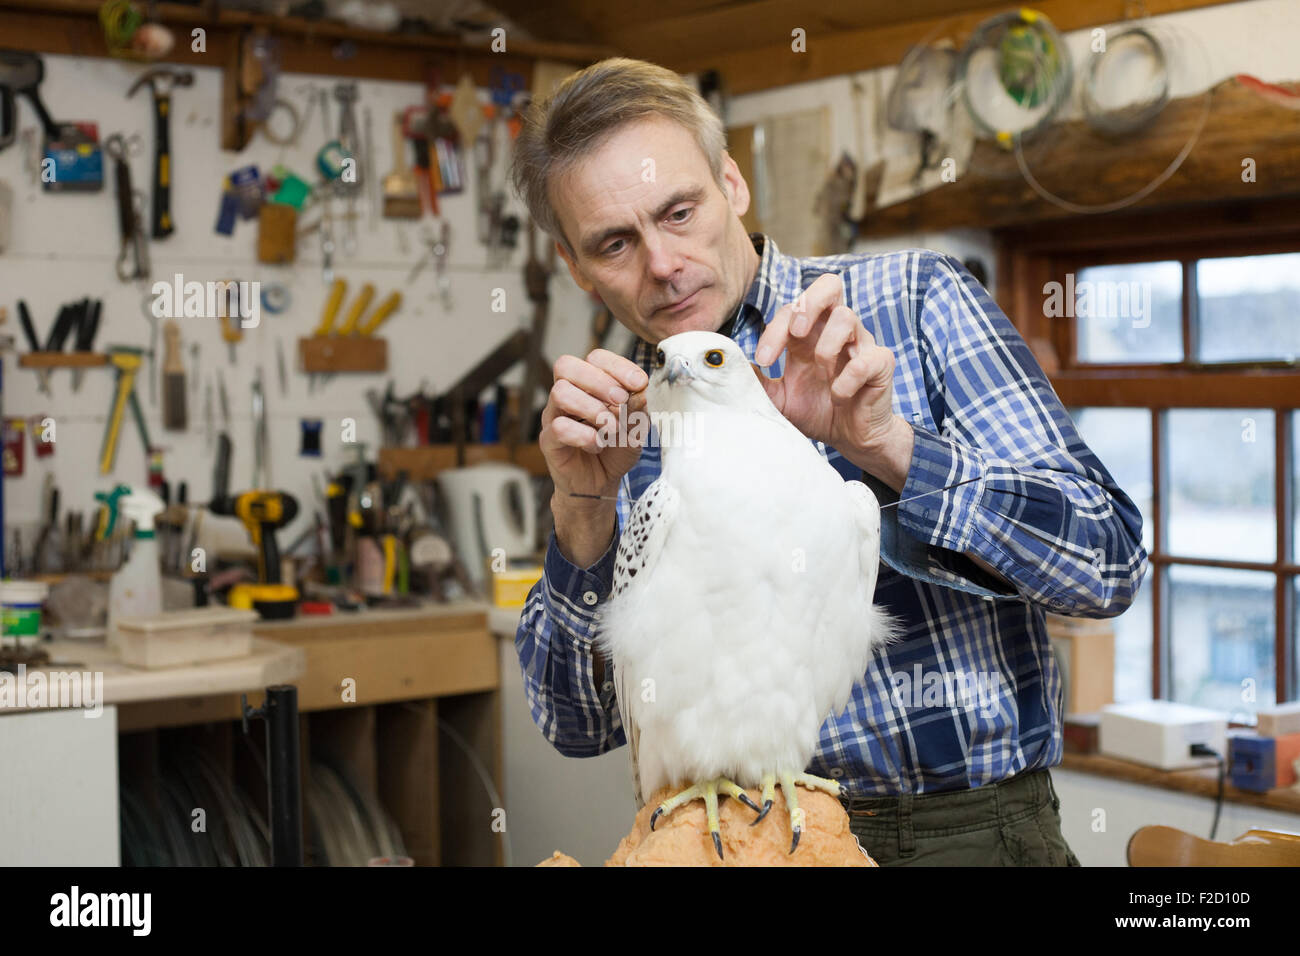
(65, 246)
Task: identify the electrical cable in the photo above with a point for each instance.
(1200, 750)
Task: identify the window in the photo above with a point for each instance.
(1174, 341)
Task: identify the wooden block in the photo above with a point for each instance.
(61, 359)
(277, 226)
(1086, 652)
(426, 462)
(336, 353)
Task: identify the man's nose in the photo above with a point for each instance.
(664, 261)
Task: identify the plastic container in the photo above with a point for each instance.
(510, 587)
(136, 589)
(177, 638)
(20, 610)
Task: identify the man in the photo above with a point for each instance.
(907, 376)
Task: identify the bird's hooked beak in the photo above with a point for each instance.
(678, 367)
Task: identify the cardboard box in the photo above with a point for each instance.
(1263, 763)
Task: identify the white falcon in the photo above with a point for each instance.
(741, 615)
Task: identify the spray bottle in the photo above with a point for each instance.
(136, 589)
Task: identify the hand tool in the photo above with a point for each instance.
(29, 330)
(194, 371)
(86, 338)
(70, 317)
(401, 192)
(439, 251)
(413, 128)
(133, 258)
(328, 314)
(232, 331)
(209, 422)
(225, 401)
(152, 351)
(282, 371)
(359, 306)
(174, 410)
(377, 318)
(127, 362)
(261, 447)
(21, 74)
(161, 82)
(350, 139)
(368, 152)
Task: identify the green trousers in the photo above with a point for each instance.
(1015, 822)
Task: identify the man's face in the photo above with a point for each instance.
(652, 232)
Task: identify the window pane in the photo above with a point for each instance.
(1123, 313)
(1121, 438)
(1133, 636)
(1221, 634)
(1220, 478)
(1247, 308)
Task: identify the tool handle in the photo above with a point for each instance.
(126, 224)
(358, 308)
(337, 291)
(51, 128)
(231, 330)
(25, 318)
(68, 318)
(386, 308)
(400, 165)
(8, 117)
(162, 168)
(89, 326)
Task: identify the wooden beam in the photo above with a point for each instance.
(71, 27)
(1077, 165)
(834, 51)
(1178, 388)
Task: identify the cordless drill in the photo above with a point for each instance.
(262, 512)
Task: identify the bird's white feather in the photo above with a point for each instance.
(742, 611)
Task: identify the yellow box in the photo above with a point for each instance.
(510, 588)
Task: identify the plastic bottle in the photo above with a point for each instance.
(136, 590)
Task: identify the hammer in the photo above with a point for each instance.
(161, 82)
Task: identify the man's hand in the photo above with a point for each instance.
(584, 401)
(838, 384)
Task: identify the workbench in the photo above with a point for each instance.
(374, 687)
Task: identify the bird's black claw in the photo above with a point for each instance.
(717, 843)
(794, 845)
(744, 798)
(767, 805)
(654, 817)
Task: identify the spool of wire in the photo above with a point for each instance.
(1033, 70)
(1118, 121)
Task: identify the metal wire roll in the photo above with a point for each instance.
(1136, 115)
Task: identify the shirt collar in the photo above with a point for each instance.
(775, 283)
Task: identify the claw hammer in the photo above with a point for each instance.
(161, 82)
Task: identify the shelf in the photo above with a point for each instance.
(1078, 165)
(62, 360)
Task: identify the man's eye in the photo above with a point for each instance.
(659, 358)
(681, 215)
(613, 248)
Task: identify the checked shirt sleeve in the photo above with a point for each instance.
(554, 643)
(1044, 511)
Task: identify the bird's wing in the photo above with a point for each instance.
(639, 549)
(880, 627)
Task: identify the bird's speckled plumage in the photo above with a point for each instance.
(741, 615)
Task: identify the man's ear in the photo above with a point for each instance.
(737, 188)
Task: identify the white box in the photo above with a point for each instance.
(1160, 733)
(177, 638)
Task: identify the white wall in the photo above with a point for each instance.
(65, 246)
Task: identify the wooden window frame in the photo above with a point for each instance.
(1031, 256)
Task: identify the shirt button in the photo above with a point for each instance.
(837, 771)
(1097, 557)
(589, 598)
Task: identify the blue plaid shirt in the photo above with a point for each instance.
(971, 694)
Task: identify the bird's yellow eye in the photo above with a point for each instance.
(714, 358)
(659, 358)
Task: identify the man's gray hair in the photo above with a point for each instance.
(589, 106)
